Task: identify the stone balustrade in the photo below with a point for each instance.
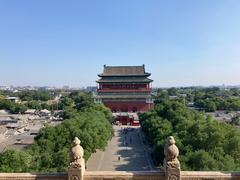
(171, 171)
(122, 175)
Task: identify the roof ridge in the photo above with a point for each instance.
(122, 66)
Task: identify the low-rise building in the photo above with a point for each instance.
(14, 99)
(30, 111)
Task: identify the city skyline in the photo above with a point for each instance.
(58, 43)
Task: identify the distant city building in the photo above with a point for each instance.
(65, 87)
(30, 111)
(13, 99)
(125, 90)
(7, 120)
(45, 112)
(91, 88)
(4, 112)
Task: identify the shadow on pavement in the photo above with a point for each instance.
(133, 155)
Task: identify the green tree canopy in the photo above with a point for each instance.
(204, 143)
(50, 150)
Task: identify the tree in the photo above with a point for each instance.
(12, 106)
(50, 150)
(204, 143)
(15, 161)
(210, 106)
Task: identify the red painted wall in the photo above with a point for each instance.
(128, 106)
(124, 86)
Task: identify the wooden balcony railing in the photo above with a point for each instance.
(124, 90)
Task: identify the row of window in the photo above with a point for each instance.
(124, 109)
(123, 86)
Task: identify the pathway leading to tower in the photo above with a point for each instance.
(125, 152)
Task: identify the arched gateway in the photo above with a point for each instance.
(126, 90)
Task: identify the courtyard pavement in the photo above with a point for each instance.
(127, 151)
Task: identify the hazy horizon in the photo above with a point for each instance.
(95, 85)
(181, 43)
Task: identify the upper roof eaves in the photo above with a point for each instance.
(124, 71)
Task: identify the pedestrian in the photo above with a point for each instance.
(119, 158)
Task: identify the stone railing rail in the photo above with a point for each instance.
(172, 170)
(122, 175)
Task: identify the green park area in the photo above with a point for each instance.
(50, 150)
(204, 142)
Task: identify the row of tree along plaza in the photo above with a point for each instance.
(204, 142)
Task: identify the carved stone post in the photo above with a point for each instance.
(77, 165)
(171, 163)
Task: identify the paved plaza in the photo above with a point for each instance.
(127, 151)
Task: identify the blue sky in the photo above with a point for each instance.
(181, 42)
